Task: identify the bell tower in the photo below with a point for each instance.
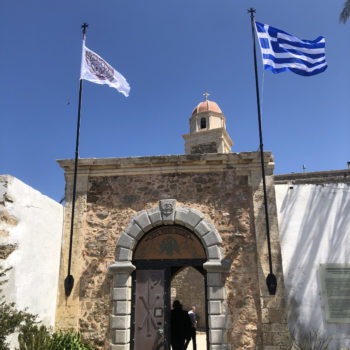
(207, 130)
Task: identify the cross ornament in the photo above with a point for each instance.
(149, 307)
(84, 26)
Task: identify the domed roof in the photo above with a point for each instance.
(206, 106)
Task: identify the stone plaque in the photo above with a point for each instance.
(204, 148)
(170, 242)
(335, 279)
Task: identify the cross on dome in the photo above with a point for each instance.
(206, 94)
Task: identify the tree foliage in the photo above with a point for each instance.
(11, 321)
(32, 335)
(309, 339)
(10, 318)
(345, 13)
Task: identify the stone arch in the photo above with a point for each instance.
(167, 213)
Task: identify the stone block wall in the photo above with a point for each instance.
(112, 201)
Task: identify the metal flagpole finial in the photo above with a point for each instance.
(206, 94)
(84, 26)
(252, 11)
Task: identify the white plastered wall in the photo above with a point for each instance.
(314, 225)
(37, 233)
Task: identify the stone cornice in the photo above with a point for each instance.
(207, 113)
(244, 162)
(217, 131)
(317, 177)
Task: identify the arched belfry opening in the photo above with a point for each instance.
(156, 248)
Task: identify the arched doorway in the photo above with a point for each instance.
(158, 257)
(198, 229)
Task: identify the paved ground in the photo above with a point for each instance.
(201, 342)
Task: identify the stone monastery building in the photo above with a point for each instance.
(143, 220)
(149, 230)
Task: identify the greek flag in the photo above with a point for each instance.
(282, 51)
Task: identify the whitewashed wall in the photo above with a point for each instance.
(33, 222)
(314, 224)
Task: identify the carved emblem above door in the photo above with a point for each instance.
(169, 242)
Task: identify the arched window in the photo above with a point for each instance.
(203, 123)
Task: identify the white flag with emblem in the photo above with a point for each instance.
(97, 70)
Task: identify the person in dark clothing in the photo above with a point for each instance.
(193, 317)
(180, 326)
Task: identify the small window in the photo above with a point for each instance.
(203, 123)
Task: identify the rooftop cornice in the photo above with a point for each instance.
(206, 113)
(243, 161)
(316, 177)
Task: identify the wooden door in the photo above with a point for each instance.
(149, 328)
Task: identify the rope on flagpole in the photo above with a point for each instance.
(262, 92)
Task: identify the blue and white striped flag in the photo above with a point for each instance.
(282, 51)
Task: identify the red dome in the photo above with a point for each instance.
(206, 106)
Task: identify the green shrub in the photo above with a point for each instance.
(70, 340)
(11, 320)
(40, 338)
(33, 337)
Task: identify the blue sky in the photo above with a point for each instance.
(170, 52)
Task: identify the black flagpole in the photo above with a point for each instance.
(69, 280)
(271, 280)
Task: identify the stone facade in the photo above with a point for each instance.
(204, 148)
(117, 201)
